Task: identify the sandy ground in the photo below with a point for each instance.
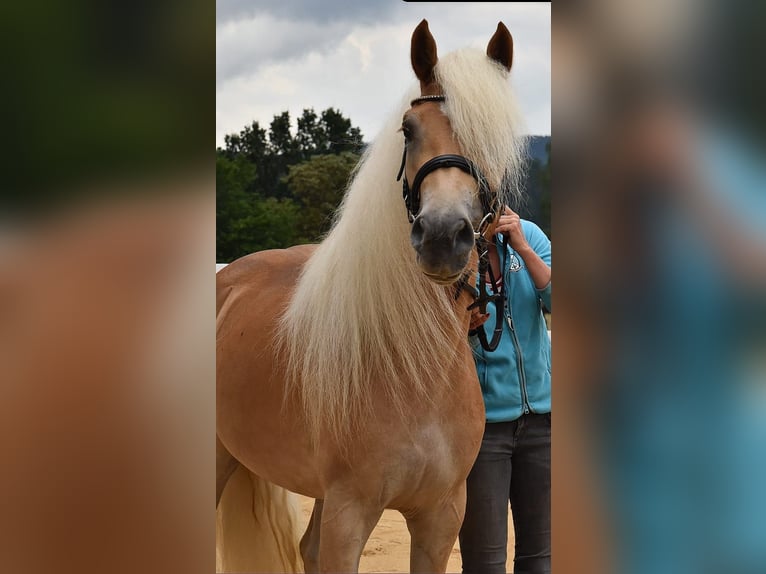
(388, 549)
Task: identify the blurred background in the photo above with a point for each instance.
(107, 242)
(658, 218)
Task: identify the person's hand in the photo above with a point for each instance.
(510, 226)
(477, 319)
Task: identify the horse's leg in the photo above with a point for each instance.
(310, 541)
(346, 524)
(225, 464)
(433, 533)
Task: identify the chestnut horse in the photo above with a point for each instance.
(343, 369)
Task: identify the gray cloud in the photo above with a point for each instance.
(323, 12)
(269, 63)
(250, 34)
(243, 46)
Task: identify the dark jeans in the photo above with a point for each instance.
(514, 464)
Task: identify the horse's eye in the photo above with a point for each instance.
(406, 129)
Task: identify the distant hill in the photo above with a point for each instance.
(537, 147)
(533, 189)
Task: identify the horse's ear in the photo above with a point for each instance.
(423, 53)
(500, 47)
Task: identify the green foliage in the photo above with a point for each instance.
(341, 136)
(271, 225)
(318, 186)
(245, 222)
(276, 189)
(250, 143)
(311, 135)
(233, 203)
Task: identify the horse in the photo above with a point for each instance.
(344, 371)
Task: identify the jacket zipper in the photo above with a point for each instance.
(519, 357)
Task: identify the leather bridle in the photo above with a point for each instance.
(491, 207)
(411, 194)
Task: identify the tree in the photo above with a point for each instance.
(276, 189)
(281, 142)
(282, 152)
(318, 186)
(311, 135)
(245, 222)
(250, 143)
(341, 136)
(233, 203)
(272, 225)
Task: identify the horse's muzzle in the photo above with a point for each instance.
(443, 244)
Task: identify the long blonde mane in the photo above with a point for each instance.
(363, 313)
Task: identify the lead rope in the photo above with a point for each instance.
(497, 297)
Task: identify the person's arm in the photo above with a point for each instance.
(535, 250)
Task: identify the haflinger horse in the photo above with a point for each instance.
(344, 371)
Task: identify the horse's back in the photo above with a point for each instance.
(264, 270)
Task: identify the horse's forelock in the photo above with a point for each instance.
(485, 118)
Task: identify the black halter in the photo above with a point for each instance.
(411, 195)
(490, 206)
(481, 298)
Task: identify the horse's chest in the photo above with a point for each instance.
(428, 461)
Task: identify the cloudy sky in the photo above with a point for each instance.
(353, 55)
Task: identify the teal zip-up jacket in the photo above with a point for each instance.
(516, 377)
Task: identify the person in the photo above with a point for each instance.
(514, 460)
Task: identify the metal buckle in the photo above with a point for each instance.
(483, 224)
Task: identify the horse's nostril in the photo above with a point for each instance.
(419, 228)
(464, 233)
(441, 233)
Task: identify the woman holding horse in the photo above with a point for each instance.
(514, 460)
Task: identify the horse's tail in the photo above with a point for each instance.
(256, 526)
